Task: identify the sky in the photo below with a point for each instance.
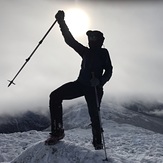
(133, 36)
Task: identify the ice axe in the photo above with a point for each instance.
(98, 107)
(26, 61)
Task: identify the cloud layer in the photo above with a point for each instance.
(133, 36)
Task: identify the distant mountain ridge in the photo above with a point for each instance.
(137, 113)
(24, 122)
(149, 108)
(122, 114)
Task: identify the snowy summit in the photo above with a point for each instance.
(125, 143)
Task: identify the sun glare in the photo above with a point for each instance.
(77, 21)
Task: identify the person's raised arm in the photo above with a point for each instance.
(68, 37)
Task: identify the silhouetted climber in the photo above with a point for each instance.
(94, 59)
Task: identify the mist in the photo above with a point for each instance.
(133, 36)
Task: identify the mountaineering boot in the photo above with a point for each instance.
(97, 140)
(97, 144)
(55, 137)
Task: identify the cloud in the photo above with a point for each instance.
(133, 36)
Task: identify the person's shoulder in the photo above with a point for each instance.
(105, 51)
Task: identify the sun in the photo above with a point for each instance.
(77, 21)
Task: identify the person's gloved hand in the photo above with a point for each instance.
(60, 15)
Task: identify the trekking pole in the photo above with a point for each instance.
(40, 42)
(98, 107)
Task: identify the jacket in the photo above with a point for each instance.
(95, 60)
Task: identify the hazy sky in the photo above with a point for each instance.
(134, 38)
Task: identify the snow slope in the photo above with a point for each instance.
(125, 143)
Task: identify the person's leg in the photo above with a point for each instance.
(67, 91)
(94, 113)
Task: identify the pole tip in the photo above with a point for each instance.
(11, 82)
(106, 159)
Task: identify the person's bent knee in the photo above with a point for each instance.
(55, 98)
(53, 95)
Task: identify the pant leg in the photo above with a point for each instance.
(65, 92)
(94, 112)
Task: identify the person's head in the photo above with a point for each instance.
(95, 39)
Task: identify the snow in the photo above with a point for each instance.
(125, 143)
